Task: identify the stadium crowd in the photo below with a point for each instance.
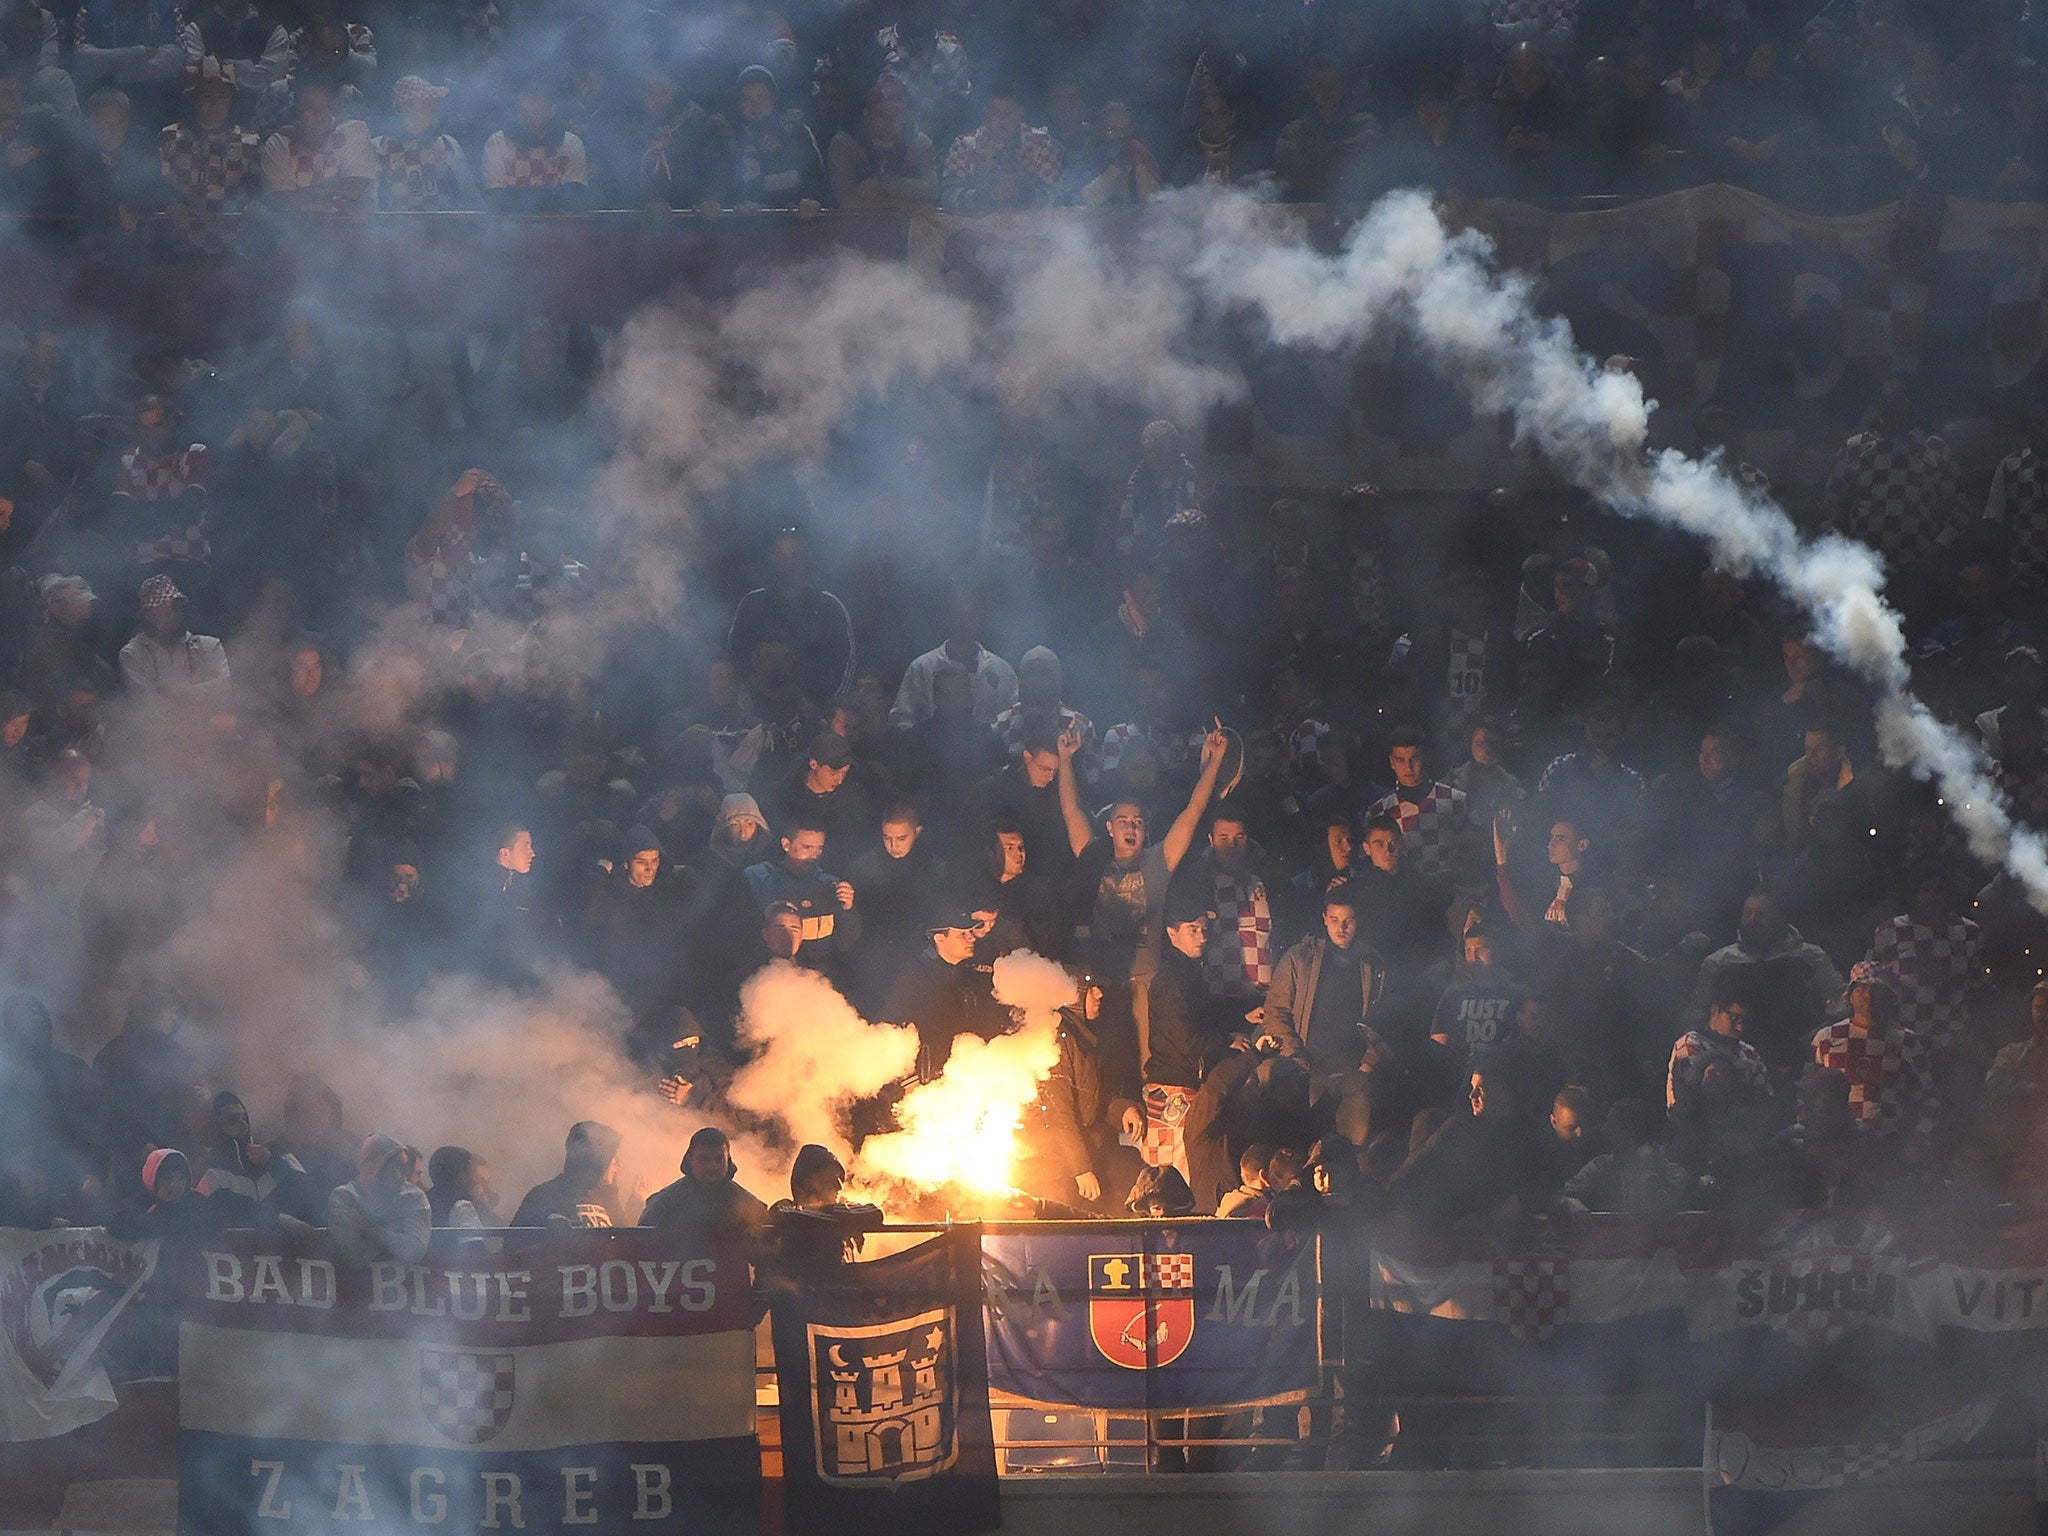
(1418, 859)
(115, 110)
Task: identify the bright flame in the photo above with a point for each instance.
(960, 1130)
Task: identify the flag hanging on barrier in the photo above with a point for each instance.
(60, 1293)
(600, 1382)
(885, 1416)
(1161, 1317)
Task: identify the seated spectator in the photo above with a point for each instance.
(418, 167)
(1721, 1042)
(120, 183)
(888, 163)
(320, 162)
(1532, 124)
(1111, 166)
(771, 158)
(675, 146)
(536, 165)
(159, 507)
(1003, 164)
(1633, 1176)
(1319, 149)
(210, 162)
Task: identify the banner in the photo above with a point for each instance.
(1141, 1317)
(885, 1418)
(591, 1382)
(60, 1293)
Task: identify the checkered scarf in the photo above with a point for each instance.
(1431, 827)
(1240, 962)
(1891, 1083)
(1935, 970)
(209, 168)
(417, 173)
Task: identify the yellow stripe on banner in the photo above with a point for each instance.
(297, 1386)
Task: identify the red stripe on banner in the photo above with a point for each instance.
(625, 1283)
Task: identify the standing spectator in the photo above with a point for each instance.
(586, 1192)
(2018, 502)
(1933, 959)
(1112, 166)
(1435, 819)
(1323, 993)
(420, 168)
(1162, 486)
(1238, 963)
(991, 682)
(824, 902)
(1787, 980)
(809, 620)
(165, 658)
(1003, 164)
(1894, 487)
(889, 163)
(1891, 1077)
(536, 165)
(320, 162)
(380, 1214)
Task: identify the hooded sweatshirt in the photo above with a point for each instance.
(369, 1224)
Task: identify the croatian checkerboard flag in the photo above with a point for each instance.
(599, 1382)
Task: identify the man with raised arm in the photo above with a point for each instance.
(1125, 877)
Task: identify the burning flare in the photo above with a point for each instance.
(960, 1130)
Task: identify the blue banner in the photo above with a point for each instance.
(1150, 1316)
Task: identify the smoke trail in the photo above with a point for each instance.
(1401, 266)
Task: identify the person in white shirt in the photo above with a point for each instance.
(991, 680)
(165, 657)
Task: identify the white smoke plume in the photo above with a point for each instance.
(961, 1128)
(813, 1055)
(1402, 266)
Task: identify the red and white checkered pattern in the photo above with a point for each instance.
(1165, 1141)
(1239, 961)
(1532, 1296)
(1896, 494)
(159, 476)
(2020, 490)
(1891, 1085)
(1433, 828)
(414, 174)
(975, 155)
(315, 165)
(541, 166)
(1369, 591)
(218, 169)
(1165, 1271)
(1464, 684)
(1305, 746)
(1173, 748)
(1935, 971)
(1011, 724)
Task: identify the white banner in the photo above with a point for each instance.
(60, 1292)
